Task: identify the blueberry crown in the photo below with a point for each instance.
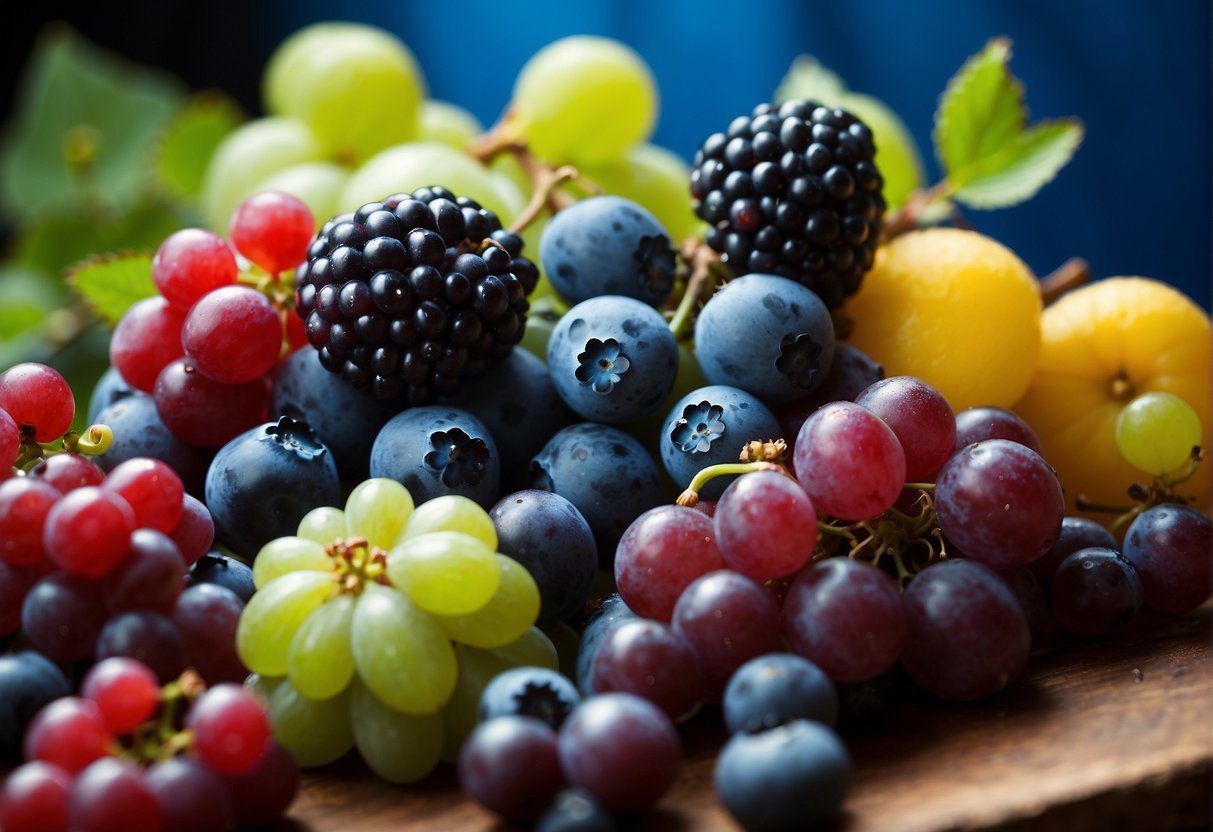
(460, 459)
(601, 364)
(701, 425)
(297, 436)
(799, 359)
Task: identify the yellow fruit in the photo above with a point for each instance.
(1102, 346)
(956, 309)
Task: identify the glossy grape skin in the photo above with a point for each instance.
(1095, 592)
(1000, 503)
(605, 619)
(851, 372)
(207, 616)
(575, 810)
(124, 690)
(1076, 533)
(1169, 546)
(190, 263)
(263, 794)
(777, 688)
(845, 617)
(650, 660)
(1157, 431)
(399, 747)
(849, 462)
(147, 636)
(232, 335)
(62, 615)
(412, 448)
(314, 732)
(36, 395)
(622, 749)
(510, 766)
(194, 798)
(423, 568)
(34, 798)
(203, 412)
(547, 535)
(788, 778)
(195, 531)
(649, 578)
(765, 526)
(446, 513)
(920, 417)
(1032, 600)
(320, 663)
(25, 503)
(509, 614)
(28, 681)
(153, 491)
(10, 440)
(67, 472)
(224, 571)
(140, 432)
(273, 230)
(111, 796)
(230, 728)
(88, 531)
(146, 339)
(274, 615)
(70, 733)
(529, 691)
(967, 637)
(980, 424)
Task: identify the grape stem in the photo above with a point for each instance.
(1069, 275)
(919, 486)
(97, 439)
(707, 272)
(690, 497)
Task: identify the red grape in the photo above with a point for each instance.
(112, 796)
(195, 530)
(921, 418)
(1076, 533)
(190, 263)
(88, 531)
(849, 462)
(146, 339)
(62, 616)
(851, 372)
(1000, 503)
(765, 526)
(70, 733)
(25, 503)
(152, 490)
(230, 728)
(978, 424)
(510, 766)
(10, 441)
(233, 335)
(207, 615)
(147, 636)
(1169, 545)
(202, 412)
(650, 660)
(262, 794)
(36, 395)
(273, 230)
(193, 797)
(150, 577)
(660, 554)
(34, 799)
(67, 472)
(1095, 592)
(845, 617)
(125, 692)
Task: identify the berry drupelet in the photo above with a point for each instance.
(411, 296)
(793, 190)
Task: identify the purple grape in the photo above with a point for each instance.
(1169, 546)
(1096, 592)
(1076, 533)
(922, 419)
(149, 577)
(775, 689)
(529, 691)
(851, 372)
(62, 615)
(15, 583)
(967, 637)
(650, 660)
(262, 795)
(147, 636)
(981, 424)
(193, 797)
(1032, 601)
(510, 766)
(207, 615)
(610, 615)
(845, 617)
(575, 810)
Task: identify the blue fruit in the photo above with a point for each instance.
(576, 810)
(607, 245)
(613, 359)
(547, 534)
(767, 335)
(110, 388)
(789, 778)
(610, 615)
(777, 688)
(605, 473)
(222, 570)
(710, 426)
(263, 482)
(529, 691)
(344, 419)
(438, 450)
(28, 681)
(139, 432)
(518, 404)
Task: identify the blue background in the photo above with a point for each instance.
(1136, 199)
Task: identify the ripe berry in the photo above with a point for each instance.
(34, 799)
(70, 733)
(24, 505)
(152, 490)
(88, 531)
(203, 412)
(190, 263)
(233, 335)
(230, 728)
(125, 692)
(273, 230)
(67, 472)
(146, 339)
(37, 396)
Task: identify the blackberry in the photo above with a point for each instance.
(409, 297)
(793, 190)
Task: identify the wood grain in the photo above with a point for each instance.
(1103, 735)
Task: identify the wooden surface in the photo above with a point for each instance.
(1103, 735)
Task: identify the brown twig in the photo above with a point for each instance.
(1069, 275)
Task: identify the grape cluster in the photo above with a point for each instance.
(410, 296)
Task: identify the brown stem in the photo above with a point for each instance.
(906, 219)
(496, 141)
(1069, 275)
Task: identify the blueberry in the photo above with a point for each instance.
(28, 681)
(767, 335)
(529, 691)
(605, 473)
(225, 571)
(438, 450)
(607, 245)
(139, 432)
(575, 810)
(110, 389)
(777, 688)
(788, 778)
(610, 615)
(710, 426)
(264, 481)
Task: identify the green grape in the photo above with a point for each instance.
(318, 184)
(448, 124)
(447, 573)
(320, 663)
(532, 649)
(316, 732)
(452, 513)
(378, 510)
(1156, 432)
(288, 554)
(400, 748)
(263, 686)
(540, 322)
(401, 653)
(357, 87)
(247, 156)
(421, 164)
(323, 525)
(476, 669)
(657, 179)
(274, 614)
(584, 99)
(506, 165)
(510, 613)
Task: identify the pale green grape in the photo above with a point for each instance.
(318, 184)
(316, 732)
(323, 525)
(274, 614)
(401, 653)
(448, 124)
(657, 179)
(400, 748)
(378, 510)
(510, 613)
(452, 513)
(532, 649)
(447, 573)
(476, 669)
(320, 663)
(357, 87)
(421, 164)
(584, 99)
(248, 155)
(284, 555)
(1156, 432)
(540, 322)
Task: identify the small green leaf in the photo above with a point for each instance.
(808, 80)
(1029, 163)
(189, 140)
(980, 112)
(113, 283)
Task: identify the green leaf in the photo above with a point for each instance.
(84, 128)
(1017, 172)
(113, 283)
(190, 139)
(808, 80)
(26, 299)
